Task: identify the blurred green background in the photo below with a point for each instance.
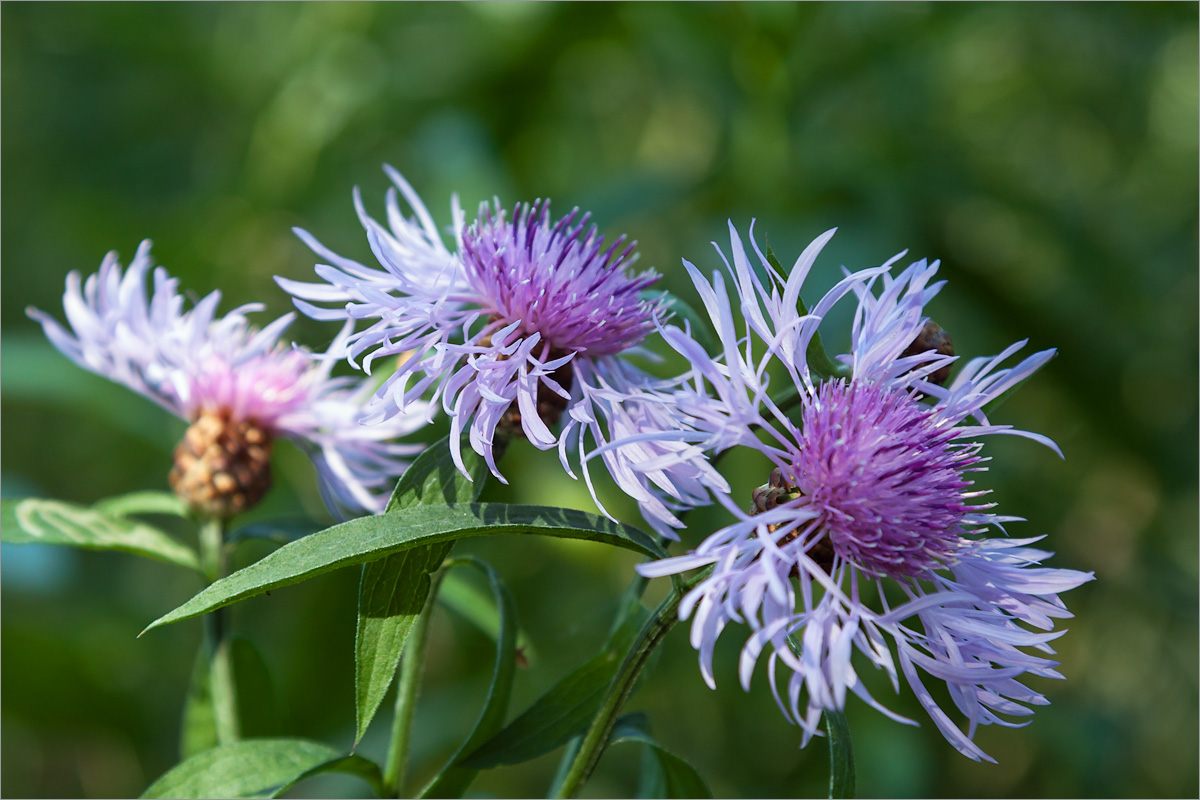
(1046, 153)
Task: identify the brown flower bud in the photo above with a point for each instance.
(222, 467)
(932, 337)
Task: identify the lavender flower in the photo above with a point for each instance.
(869, 528)
(526, 324)
(238, 387)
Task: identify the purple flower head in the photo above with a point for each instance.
(557, 281)
(884, 479)
(869, 529)
(525, 326)
(239, 387)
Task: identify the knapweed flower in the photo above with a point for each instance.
(524, 326)
(238, 387)
(870, 528)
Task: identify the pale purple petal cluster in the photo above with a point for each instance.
(191, 361)
(526, 322)
(870, 489)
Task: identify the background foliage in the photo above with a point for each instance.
(1047, 153)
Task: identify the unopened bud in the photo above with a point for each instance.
(222, 467)
(932, 337)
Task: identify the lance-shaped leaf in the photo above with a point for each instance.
(249, 768)
(567, 708)
(56, 522)
(841, 755)
(125, 505)
(349, 765)
(676, 777)
(393, 590)
(391, 594)
(454, 778)
(433, 479)
(371, 538)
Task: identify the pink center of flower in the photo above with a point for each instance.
(884, 477)
(261, 389)
(557, 280)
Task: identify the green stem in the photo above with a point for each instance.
(407, 687)
(217, 642)
(596, 737)
(212, 545)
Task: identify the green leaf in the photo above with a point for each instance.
(478, 607)
(198, 727)
(454, 778)
(351, 765)
(701, 331)
(652, 782)
(566, 709)
(391, 594)
(56, 522)
(392, 590)
(656, 627)
(678, 777)
(433, 479)
(125, 505)
(841, 755)
(371, 538)
(249, 768)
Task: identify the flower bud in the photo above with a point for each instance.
(222, 466)
(932, 337)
